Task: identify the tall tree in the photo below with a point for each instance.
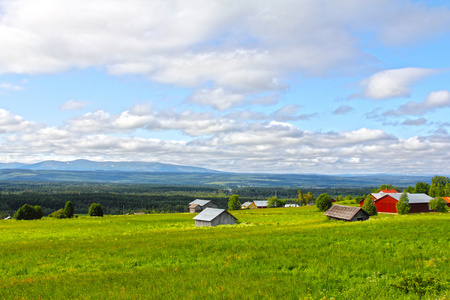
(301, 198)
(309, 198)
(402, 205)
(421, 188)
(68, 209)
(234, 203)
(438, 186)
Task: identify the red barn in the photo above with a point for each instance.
(386, 202)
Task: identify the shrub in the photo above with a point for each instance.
(369, 206)
(275, 202)
(416, 284)
(68, 209)
(324, 202)
(96, 210)
(402, 205)
(59, 214)
(28, 212)
(438, 204)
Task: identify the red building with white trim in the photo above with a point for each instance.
(386, 202)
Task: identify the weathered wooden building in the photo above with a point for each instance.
(213, 217)
(386, 202)
(347, 213)
(198, 205)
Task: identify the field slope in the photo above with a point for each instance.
(288, 253)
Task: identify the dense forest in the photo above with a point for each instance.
(129, 198)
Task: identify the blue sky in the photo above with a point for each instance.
(310, 86)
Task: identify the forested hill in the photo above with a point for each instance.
(225, 180)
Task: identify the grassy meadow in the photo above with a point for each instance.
(285, 253)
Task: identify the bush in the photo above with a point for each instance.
(324, 202)
(59, 214)
(438, 204)
(96, 210)
(68, 209)
(28, 212)
(369, 206)
(275, 202)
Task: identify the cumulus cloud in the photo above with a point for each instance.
(435, 100)
(73, 105)
(217, 98)
(393, 83)
(10, 123)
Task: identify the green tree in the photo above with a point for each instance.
(369, 206)
(438, 186)
(301, 198)
(234, 203)
(28, 212)
(59, 214)
(309, 198)
(421, 188)
(96, 210)
(438, 204)
(385, 187)
(275, 202)
(402, 205)
(324, 202)
(411, 190)
(68, 209)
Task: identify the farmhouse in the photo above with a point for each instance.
(213, 217)
(260, 204)
(246, 205)
(291, 205)
(347, 213)
(386, 202)
(199, 204)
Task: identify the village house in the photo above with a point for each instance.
(347, 213)
(246, 205)
(260, 204)
(199, 205)
(386, 202)
(213, 217)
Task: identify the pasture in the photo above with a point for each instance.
(285, 253)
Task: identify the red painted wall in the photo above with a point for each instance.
(386, 204)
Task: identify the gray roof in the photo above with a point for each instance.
(261, 203)
(200, 202)
(343, 212)
(210, 214)
(413, 198)
(247, 203)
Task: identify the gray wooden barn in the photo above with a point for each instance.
(213, 217)
(347, 213)
(198, 205)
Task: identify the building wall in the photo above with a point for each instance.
(210, 205)
(419, 207)
(360, 216)
(222, 219)
(386, 204)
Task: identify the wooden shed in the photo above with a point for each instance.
(386, 202)
(198, 205)
(213, 217)
(347, 213)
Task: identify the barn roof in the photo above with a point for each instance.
(446, 199)
(388, 191)
(247, 203)
(343, 212)
(261, 203)
(210, 214)
(200, 202)
(413, 198)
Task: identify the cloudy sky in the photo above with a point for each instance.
(285, 86)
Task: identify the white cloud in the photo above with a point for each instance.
(435, 100)
(10, 87)
(393, 83)
(10, 123)
(217, 98)
(73, 105)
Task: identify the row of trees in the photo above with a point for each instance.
(439, 187)
(28, 212)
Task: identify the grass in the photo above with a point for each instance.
(287, 253)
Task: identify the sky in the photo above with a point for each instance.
(280, 86)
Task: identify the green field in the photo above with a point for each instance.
(286, 253)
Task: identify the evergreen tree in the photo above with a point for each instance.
(234, 203)
(96, 210)
(68, 209)
(403, 206)
(369, 206)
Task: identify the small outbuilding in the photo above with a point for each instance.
(347, 213)
(246, 205)
(291, 205)
(199, 205)
(213, 217)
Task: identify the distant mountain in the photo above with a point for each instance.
(87, 165)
